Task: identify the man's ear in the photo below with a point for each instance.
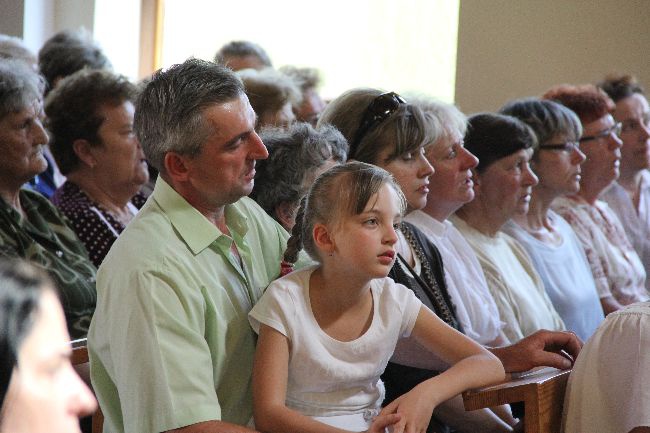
(285, 212)
(176, 166)
(82, 149)
(323, 238)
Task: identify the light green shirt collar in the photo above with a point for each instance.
(194, 228)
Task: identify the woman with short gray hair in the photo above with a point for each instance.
(30, 226)
(549, 240)
(297, 156)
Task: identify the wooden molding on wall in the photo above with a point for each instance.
(151, 25)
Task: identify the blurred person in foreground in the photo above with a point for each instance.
(39, 390)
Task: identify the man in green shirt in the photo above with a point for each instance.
(170, 345)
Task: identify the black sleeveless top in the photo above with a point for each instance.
(430, 287)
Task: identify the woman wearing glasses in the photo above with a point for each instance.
(616, 267)
(549, 240)
(629, 196)
(384, 130)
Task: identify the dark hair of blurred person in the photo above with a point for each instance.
(39, 390)
(68, 52)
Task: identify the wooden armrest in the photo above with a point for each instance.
(542, 391)
(79, 351)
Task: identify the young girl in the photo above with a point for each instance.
(327, 332)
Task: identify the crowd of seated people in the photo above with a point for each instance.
(473, 246)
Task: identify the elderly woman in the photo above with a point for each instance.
(385, 130)
(297, 156)
(90, 117)
(30, 226)
(629, 195)
(39, 390)
(546, 236)
(308, 80)
(616, 267)
(451, 187)
(503, 182)
(272, 95)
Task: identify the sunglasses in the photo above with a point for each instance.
(616, 130)
(379, 110)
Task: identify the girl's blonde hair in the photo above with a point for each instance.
(341, 191)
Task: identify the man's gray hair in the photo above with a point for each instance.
(294, 154)
(169, 110)
(20, 86)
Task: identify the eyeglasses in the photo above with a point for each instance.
(616, 130)
(569, 146)
(636, 124)
(379, 110)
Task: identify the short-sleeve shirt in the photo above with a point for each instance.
(170, 344)
(94, 225)
(635, 220)
(43, 238)
(615, 265)
(566, 275)
(608, 386)
(516, 286)
(328, 377)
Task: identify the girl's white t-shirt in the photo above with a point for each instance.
(328, 377)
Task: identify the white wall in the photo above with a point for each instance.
(114, 24)
(514, 48)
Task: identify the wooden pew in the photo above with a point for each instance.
(80, 362)
(541, 391)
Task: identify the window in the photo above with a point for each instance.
(407, 46)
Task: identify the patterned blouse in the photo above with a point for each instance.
(95, 226)
(617, 268)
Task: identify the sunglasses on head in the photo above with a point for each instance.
(379, 110)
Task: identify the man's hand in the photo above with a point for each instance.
(543, 348)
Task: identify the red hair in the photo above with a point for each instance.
(589, 102)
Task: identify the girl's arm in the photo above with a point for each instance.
(472, 366)
(270, 371)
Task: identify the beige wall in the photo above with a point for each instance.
(514, 48)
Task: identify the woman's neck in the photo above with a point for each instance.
(481, 217)
(630, 180)
(12, 197)
(536, 218)
(112, 199)
(590, 188)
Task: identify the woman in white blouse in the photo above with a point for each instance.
(450, 188)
